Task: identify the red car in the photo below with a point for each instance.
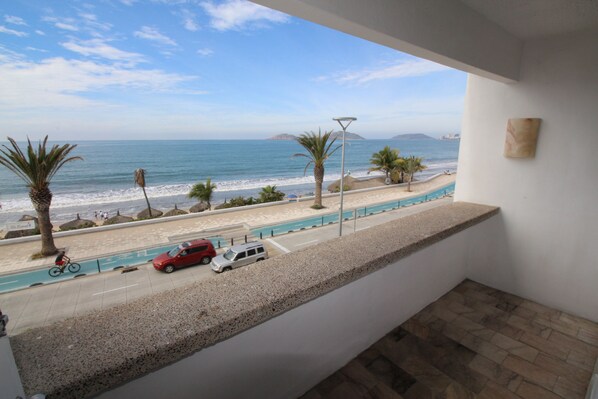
(186, 254)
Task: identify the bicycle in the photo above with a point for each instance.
(56, 271)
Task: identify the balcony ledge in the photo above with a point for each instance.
(84, 356)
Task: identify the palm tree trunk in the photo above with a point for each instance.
(319, 176)
(149, 209)
(409, 183)
(41, 200)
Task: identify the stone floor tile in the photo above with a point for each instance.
(563, 368)
(330, 383)
(420, 391)
(493, 371)
(346, 390)
(557, 325)
(495, 391)
(567, 342)
(382, 391)
(515, 347)
(530, 371)
(473, 328)
(570, 389)
(355, 372)
(582, 360)
(576, 320)
(547, 312)
(527, 325)
(484, 348)
(416, 328)
(544, 345)
(457, 391)
(588, 336)
(391, 374)
(531, 391)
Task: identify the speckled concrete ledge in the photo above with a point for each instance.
(84, 356)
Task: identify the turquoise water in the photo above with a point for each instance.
(90, 266)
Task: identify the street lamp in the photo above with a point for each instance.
(347, 120)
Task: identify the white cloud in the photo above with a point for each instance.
(206, 52)
(65, 26)
(6, 30)
(189, 20)
(58, 83)
(401, 69)
(62, 23)
(99, 48)
(40, 32)
(36, 49)
(91, 22)
(239, 14)
(128, 2)
(153, 34)
(9, 56)
(11, 19)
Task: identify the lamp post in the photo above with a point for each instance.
(347, 120)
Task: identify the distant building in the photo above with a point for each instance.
(451, 136)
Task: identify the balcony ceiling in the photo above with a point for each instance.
(532, 19)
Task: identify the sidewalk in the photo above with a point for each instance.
(16, 257)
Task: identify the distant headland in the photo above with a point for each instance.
(413, 136)
(339, 135)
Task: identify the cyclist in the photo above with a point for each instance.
(61, 261)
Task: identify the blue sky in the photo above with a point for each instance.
(176, 69)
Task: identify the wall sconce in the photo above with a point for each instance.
(522, 136)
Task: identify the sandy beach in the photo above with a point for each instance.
(95, 243)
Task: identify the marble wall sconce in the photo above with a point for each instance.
(522, 135)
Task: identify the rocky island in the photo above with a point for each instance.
(413, 136)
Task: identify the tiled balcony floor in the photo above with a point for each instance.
(474, 342)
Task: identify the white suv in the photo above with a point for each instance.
(239, 255)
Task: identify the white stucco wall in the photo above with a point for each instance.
(287, 355)
(544, 245)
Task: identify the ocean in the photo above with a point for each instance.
(103, 181)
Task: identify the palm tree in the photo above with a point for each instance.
(203, 192)
(385, 160)
(36, 169)
(140, 181)
(318, 148)
(413, 165)
(270, 194)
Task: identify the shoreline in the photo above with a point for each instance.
(132, 208)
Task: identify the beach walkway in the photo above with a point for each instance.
(98, 242)
(43, 305)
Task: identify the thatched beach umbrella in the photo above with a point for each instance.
(78, 223)
(175, 212)
(146, 214)
(118, 219)
(199, 207)
(348, 182)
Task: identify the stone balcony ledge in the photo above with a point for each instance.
(84, 356)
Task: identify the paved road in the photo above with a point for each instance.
(43, 305)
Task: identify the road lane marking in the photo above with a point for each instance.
(306, 243)
(8, 282)
(277, 245)
(116, 289)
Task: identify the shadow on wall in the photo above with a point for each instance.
(489, 258)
